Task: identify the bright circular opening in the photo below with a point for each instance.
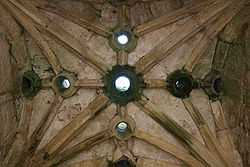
(122, 39)
(122, 83)
(122, 127)
(66, 83)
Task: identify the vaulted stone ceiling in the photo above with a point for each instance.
(60, 105)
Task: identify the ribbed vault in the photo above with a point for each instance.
(60, 105)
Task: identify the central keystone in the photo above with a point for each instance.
(123, 84)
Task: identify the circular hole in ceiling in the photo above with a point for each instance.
(122, 83)
(31, 84)
(123, 163)
(122, 127)
(184, 84)
(63, 83)
(180, 83)
(217, 85)
(122, 39)
(26, 84)
(66, 83)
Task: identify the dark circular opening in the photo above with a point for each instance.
(123, 163)
(183, 84)
(31, 84)
(180, 83)
(217, 86)
(26, 84)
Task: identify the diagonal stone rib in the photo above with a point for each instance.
(75, 18)
(192, 144)
(122, 58)
(44, 124)
(48, 27)
(209, 36)
(219, 115)
(36, 35)
(47, 82)
(197, 52)
(123, 15)
(172, 17)
(82, 146)
(210, 140)
(89, 83)
(223, 131)
(122, 111)
(169, 124)
(176, 151)
(155, 83)
(65, 135)
(200, 22)
(40, 130)
(18, 146)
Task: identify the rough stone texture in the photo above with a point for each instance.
(235, 102)
(7, 101)
(232, 59)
